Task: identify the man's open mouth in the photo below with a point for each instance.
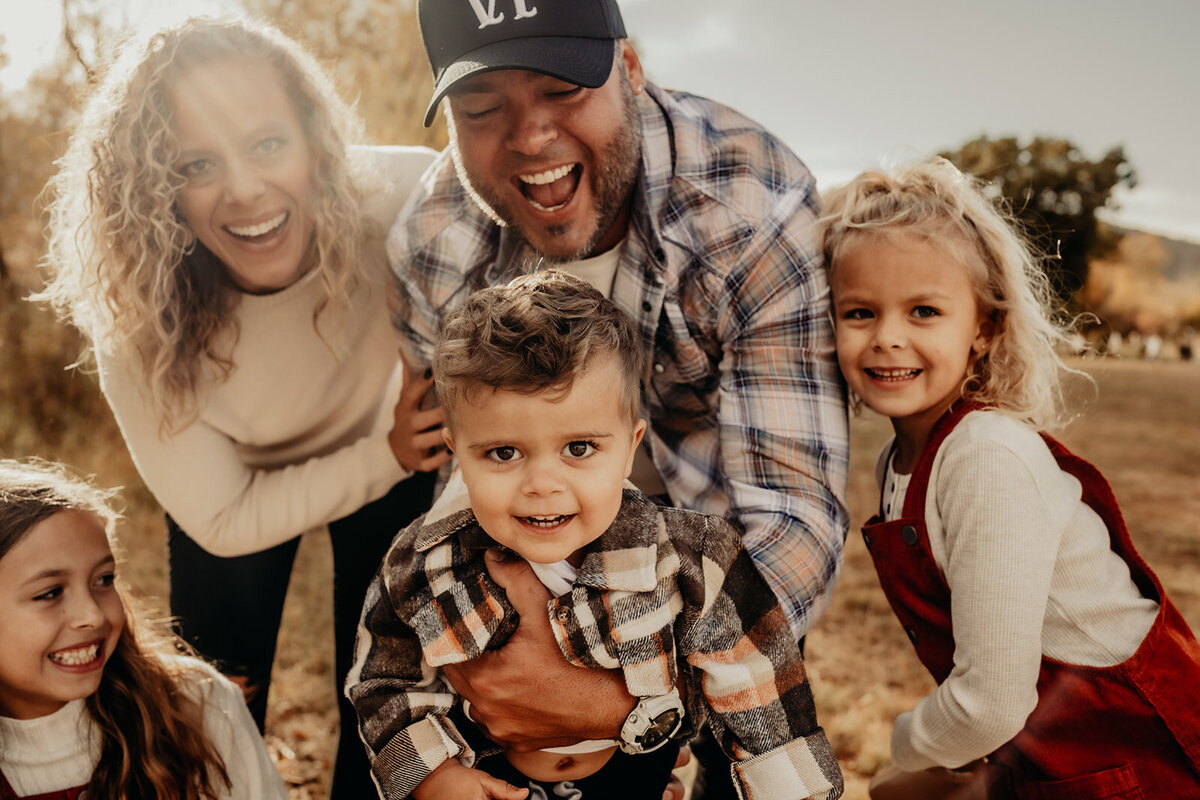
(552, 189)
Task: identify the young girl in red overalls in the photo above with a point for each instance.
(90, 705)
(1063, 669)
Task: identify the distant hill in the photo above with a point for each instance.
(1183, 258)
(1184, 263)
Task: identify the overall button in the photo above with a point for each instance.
(909, 534)
(563, 614)
(912, 634)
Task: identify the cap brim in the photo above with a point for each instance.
(584, 62)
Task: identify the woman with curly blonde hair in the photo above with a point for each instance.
(210, 234)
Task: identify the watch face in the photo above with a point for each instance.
(660, 728)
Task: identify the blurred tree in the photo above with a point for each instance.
(371, 47)
(374, 50)
(1054, 190)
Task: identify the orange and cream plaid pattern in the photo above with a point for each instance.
(670, 597)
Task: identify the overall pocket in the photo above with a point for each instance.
(1117, 783)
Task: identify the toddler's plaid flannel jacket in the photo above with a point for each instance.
(665, 595)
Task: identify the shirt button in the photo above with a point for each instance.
(660, 254)
(563, 614)
(660, 369)
(909, 534)
(646, 305)
(912, 634)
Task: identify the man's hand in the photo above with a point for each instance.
(416, 435)
(525, 695)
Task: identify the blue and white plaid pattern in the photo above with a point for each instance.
(722, 272)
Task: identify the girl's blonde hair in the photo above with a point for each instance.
(152, 734)
(1021, 371)
(124, 266)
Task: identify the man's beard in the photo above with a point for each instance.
(612, 182)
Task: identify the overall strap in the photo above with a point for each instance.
(918, 484)
(7, 793)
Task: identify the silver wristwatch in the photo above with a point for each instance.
(652, 723)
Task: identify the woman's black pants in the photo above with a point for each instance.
(229, 609)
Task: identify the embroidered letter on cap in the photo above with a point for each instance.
(522, 11)
(488, 16)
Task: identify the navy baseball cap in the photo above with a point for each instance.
(567, 39)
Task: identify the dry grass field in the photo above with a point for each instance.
(1141, 429)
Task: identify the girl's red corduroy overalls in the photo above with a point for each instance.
(1126, 731)
(7, 793)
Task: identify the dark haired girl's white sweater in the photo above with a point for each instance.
(60, 750)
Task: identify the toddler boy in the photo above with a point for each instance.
(540, 382)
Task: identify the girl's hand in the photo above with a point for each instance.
(452, 779)
(968, 782)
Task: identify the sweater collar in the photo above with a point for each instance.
(47, 739)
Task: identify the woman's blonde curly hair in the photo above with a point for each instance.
(123, 265)
(1021, 371)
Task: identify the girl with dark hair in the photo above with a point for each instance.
(92, 698)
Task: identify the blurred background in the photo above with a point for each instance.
(1077, 112)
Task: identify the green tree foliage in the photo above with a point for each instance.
(1055, 191)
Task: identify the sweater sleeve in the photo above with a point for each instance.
(232, 732)
(228, 507)
(1001, 536)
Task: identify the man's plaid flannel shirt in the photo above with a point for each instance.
(722, 272)
(666, 596)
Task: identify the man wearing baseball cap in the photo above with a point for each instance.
(700, 225)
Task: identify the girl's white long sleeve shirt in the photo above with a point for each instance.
(1031, 574)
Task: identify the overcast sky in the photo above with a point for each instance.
(855, 84)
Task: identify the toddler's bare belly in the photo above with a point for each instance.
(554, 767)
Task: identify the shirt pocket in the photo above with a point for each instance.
(1117, 783)
(685, 371)
(460, 623)
(630, 631)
